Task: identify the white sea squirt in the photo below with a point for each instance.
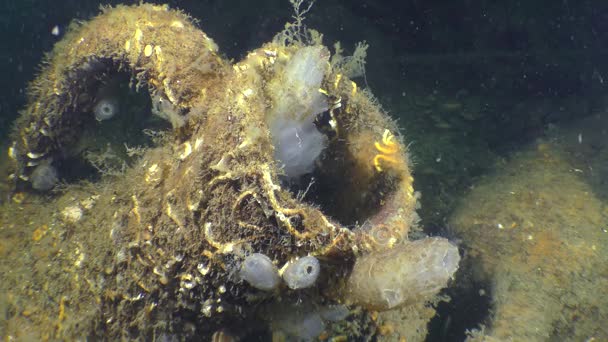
(408, 273)
(106, 108)
(258, 270)
(302, 273)
(44, 177)
(296, 103)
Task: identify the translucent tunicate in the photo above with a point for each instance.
(298, 144)
(106, 109)
(44, 177)
(302, 273)
(334, 313)
(307, 328)
(299, 322)
(259, 271)
(408, 273)
(296, 103)
(302, 321)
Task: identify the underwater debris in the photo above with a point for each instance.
(166, 244)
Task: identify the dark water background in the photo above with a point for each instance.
(469, 81)
(520, 50)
